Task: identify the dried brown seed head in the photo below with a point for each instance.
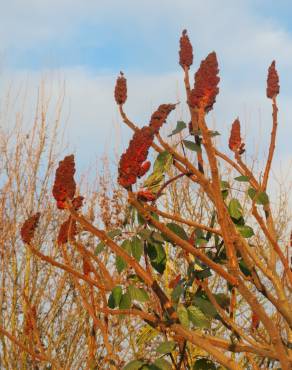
(28, 228)
(64, 186)
(121, 89)
(186, 51)
(206, 84)
(273, 87)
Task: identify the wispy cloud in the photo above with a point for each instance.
(87, 43)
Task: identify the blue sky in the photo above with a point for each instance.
(87, 43)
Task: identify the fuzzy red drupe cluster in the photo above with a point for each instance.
(121, 89)
(206, 84)
(186, 51)
(132, 163)
(235, 141)
(28, 228)
(64, 186)
(273, 87)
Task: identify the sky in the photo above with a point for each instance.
(85, 43)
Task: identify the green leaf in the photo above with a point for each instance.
(162, 162)
(111, 301)
(235, 209)
(162, 364)
(145, 335)
(205, 306)
(245, 231)
(154, 180)
(178, 230)
(137, 248)
(203, 274)
(126, 245)
(224, 193)
(115, 297)
(125, 302)
(138, 294)
(113, 233)
(150, 367)
(201, 242)
(134, 365)
(120, 264)
(166, 347)
(204, 364)
(244, 269)
(157, 257)
(222, 299)
(134, 278)
(262, 198)
(242, 178)
(197, 317)
(183, 316)
(251, 193)
(99, 248)
(140, 219)
(224, 185)
(146, 234)
(176, 293)
(192, 146)
(180, 125)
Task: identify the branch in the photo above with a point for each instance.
(177, 218)
(272, 145)
(65, 267)
(182, 243)
(35, 356)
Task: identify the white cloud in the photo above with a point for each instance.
(245, 44)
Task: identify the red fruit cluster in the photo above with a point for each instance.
(186, 51)
(206, 84)
(64, 186)
(132, 161)
(159, 116)
(273, 87)
(235, 141)
(77, 202)
(65, 229)
(121, 89)
(146, 195)
(28, 228)
(144, 168)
